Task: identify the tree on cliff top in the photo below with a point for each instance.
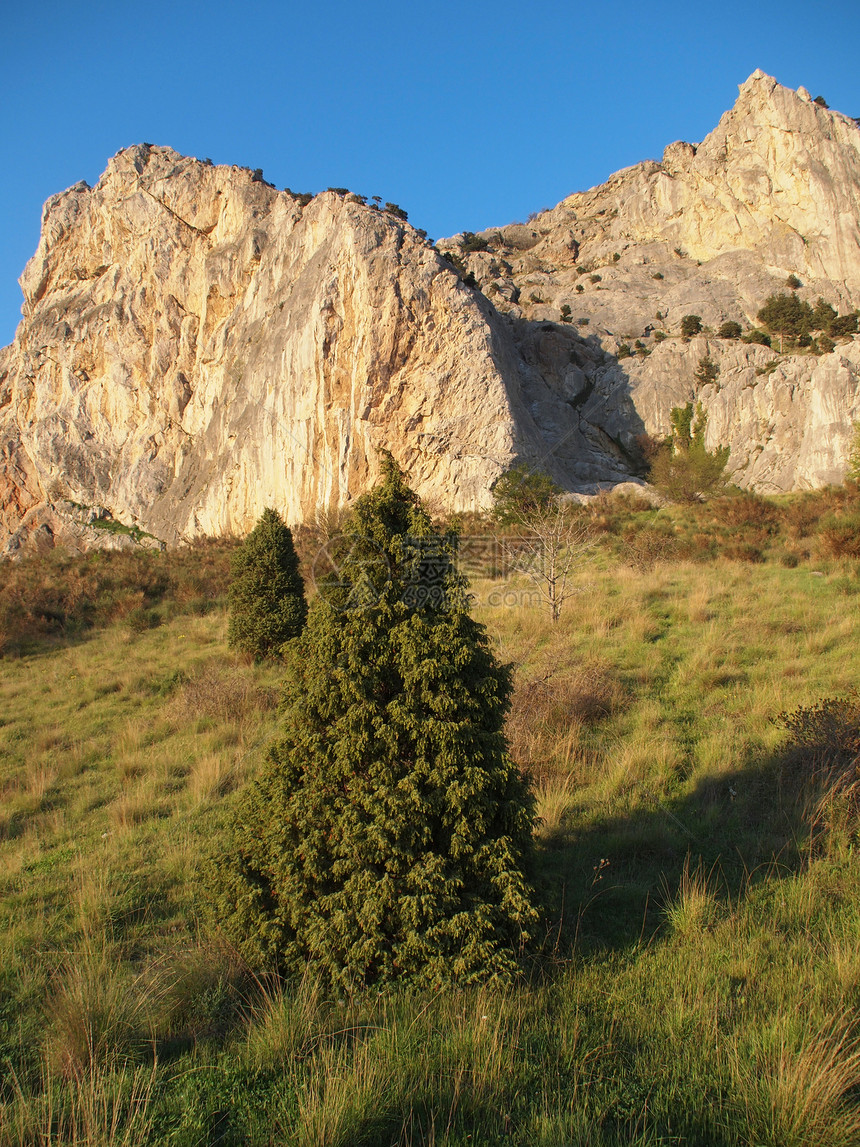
(267, 596)
(388, 833)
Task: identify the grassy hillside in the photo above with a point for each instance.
(699, 976)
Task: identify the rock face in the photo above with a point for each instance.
(787, 419)
(773, 190)
(713, 230)
(197, 345)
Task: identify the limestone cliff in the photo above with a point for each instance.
(197, 345)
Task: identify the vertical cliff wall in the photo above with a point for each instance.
(197, 345)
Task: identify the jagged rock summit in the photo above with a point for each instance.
(196, 345)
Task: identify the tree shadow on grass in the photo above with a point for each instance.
(606, 881)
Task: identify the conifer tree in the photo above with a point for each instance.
(267, 595)
(388, 834)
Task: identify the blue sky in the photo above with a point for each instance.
(467, 114)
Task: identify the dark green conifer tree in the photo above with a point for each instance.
(786, 316)
(388, 834)
(267, 595)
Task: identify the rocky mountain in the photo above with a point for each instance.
(712, 230)
(196, 345)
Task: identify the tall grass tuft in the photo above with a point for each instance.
(802, 1094)
(97, 1109)
(100, 1013)
(694, 907)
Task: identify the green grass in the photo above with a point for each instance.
(699, 971)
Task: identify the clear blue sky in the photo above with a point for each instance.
(467, 114)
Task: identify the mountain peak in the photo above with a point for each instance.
(757, 77)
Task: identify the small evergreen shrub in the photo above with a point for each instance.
(730, 330)
(822, 315)
(141, 619)
(473, 242)
(466, 276)
(741, 551)
(829, 730)
(793, 282)
(521, 492)
(267, 596)
(757, 337)
(822, 756)
(707, 371)
(682, 468)
(690, 325)
(844, 325)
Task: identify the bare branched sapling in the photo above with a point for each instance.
(555, 537)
